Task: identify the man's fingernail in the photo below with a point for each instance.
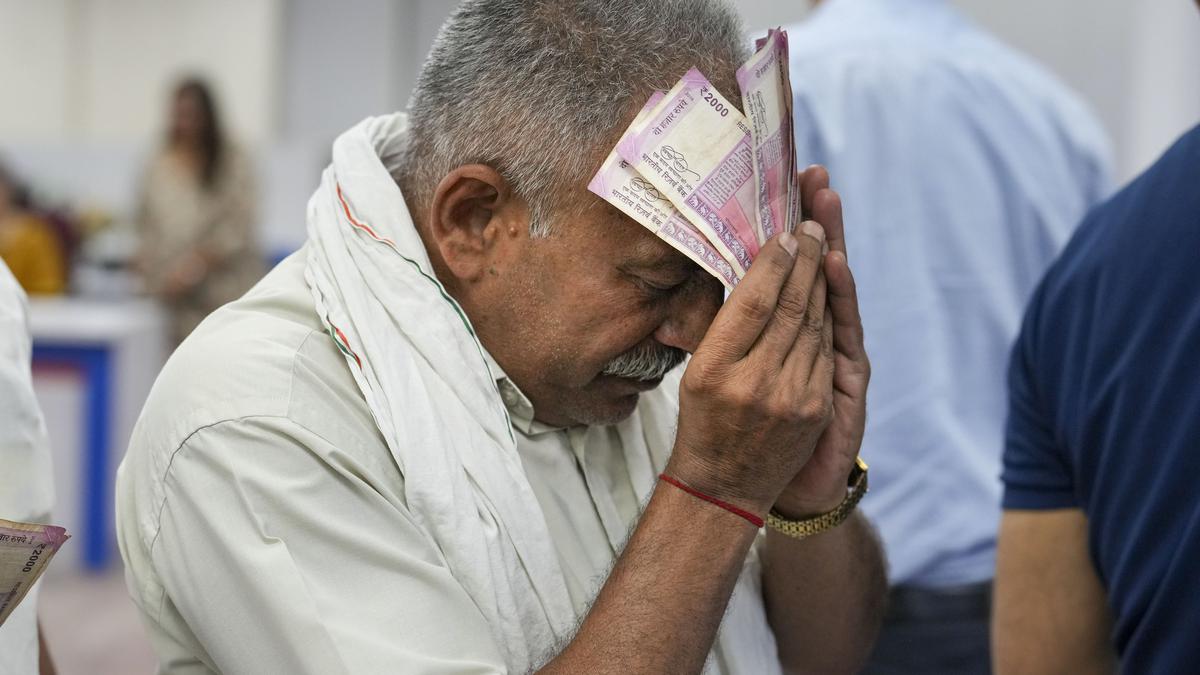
(789, 243)
(813, 229)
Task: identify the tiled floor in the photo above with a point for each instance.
(91, 625)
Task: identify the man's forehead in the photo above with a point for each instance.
(637, 245)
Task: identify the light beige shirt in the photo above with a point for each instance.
(263, 520)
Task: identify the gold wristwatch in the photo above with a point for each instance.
(807, 527)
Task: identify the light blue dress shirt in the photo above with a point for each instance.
(963, 168)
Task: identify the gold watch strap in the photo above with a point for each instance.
(807, 527)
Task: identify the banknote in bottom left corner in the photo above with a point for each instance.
(25, 551)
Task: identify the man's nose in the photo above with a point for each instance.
(691, 313)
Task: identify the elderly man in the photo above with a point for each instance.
(429, 442)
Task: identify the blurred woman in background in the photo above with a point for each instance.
(196, 215)
(28, 242)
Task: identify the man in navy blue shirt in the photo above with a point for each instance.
(1099, 554)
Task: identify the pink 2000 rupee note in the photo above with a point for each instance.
(695, 149)
(766, 99)
(25, 551)
(786, 79)
(618, 184)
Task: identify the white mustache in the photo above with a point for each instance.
(645, 363)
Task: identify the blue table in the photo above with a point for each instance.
(94, 364)
(116, 349)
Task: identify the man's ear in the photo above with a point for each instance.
(473, 220)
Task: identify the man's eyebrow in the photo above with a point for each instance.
(652, 253)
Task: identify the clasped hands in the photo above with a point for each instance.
(773, 402)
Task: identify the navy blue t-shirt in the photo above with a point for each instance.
(1105, 406)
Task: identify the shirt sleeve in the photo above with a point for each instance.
(1036, 474)
(280, 556)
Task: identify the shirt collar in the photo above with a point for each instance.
(520, 409)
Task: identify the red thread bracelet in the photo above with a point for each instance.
(754, 520)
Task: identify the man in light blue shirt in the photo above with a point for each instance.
(964, 167)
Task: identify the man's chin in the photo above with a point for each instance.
(610, 411)
(606, 400)
(619, 397)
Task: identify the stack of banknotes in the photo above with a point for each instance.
(25, 551)
(712, 182)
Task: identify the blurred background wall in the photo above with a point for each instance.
(85, 81)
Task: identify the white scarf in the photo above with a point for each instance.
(416, 359)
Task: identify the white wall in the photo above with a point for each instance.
(339, 64)
(1137, 63)
(761, 15)
(133, 50)
(100, 70)
(1163, 99)
(35, 53)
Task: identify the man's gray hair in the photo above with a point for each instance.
(541, 89)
